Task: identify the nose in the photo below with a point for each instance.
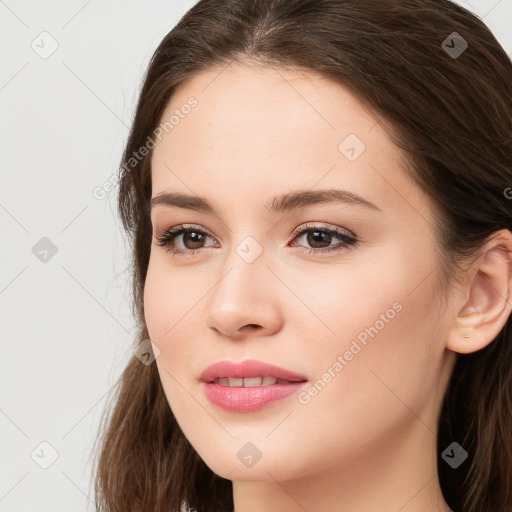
(244, 301)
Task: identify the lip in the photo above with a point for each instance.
(248, 368)
(248, 399)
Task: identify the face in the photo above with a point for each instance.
(339, 288)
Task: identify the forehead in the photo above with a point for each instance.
(256, 103)
(270, 129)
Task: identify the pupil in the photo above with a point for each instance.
(193, 238)
(317, 237)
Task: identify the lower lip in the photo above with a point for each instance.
(241, 399)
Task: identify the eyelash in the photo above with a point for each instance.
(169, 235)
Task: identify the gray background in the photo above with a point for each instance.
(65, 319)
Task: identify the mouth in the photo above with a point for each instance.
(250, 382)
(248, 386)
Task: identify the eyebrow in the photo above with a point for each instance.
(282, 203)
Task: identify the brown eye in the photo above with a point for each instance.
(192, 240)
(320, 239)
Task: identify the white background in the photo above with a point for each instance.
(65, 324)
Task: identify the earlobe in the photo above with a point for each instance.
(488, 306)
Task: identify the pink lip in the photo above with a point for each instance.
(242, 399)
(248, 368)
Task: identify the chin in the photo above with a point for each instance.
(269, 467)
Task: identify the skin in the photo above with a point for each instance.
(367, 440)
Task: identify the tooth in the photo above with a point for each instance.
(252, 381)
(249, 381)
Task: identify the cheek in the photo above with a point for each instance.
(169, 319)
(387, 346)
(382, 319)
(170, 298)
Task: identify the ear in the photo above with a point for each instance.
(486, 302)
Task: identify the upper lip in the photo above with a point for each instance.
(248, 368)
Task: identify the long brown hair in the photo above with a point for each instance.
(452, 116)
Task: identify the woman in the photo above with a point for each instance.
(316, 196)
